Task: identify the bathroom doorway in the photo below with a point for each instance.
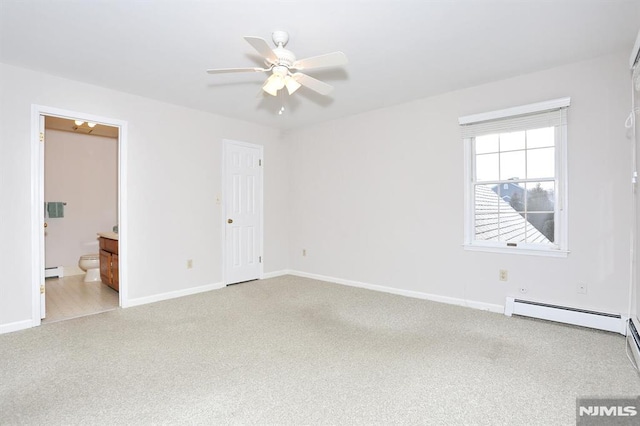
(79, 186)
(81, 199)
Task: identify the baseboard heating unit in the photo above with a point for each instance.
(633, 340)
(585, 318)
(57, 271)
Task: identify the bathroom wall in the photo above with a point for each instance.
(80, 170)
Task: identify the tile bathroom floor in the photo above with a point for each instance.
(70, 297)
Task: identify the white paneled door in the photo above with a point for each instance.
(243, 211)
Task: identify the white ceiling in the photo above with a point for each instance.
(398, 50)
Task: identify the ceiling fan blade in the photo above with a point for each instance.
(334, 59)
(263, 48)
(226, 70)
(313, 84)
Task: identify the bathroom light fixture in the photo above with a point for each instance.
(89, 123)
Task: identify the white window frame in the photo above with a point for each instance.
(469, 124)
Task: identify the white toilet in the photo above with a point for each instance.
(91, 264)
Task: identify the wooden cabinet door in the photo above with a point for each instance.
(115, 277)
(105, 267)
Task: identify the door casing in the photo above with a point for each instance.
(37, 200)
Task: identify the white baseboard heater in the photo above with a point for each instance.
(57, 271)
(633, 340)
(583, 317)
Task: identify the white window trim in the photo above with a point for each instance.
(515, 111)
(561, 181)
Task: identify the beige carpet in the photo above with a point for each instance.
(291, 350)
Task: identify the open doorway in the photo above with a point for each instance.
(78, 218)
(81, 206)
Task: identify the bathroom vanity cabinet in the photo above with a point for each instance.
(109, 262)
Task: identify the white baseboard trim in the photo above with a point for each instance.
(275, 274)
(189, 291)
(172, 295)
(499, 309)
(15, 326)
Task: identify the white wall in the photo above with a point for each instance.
(378, 197)
(82, 171)
(375, 198)
(174, 175)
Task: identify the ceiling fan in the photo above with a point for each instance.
(285, 69)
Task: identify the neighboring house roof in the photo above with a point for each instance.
(492, 212)
(508, 189)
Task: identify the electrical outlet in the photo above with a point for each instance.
(523, 290)
(504, 275)
(304, 252)
(189, 263)
(582, 288)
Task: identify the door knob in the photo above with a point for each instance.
(229, 220)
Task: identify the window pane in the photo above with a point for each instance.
(540, 196)
(487, 167)
(511, 141)
(514, 194)
(512, 165)
(541, 163)
(541, 227)
(487, 198)
(487, 143)
(487, 206)
(512, 227)
(540, 138)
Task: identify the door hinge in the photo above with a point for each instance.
(260, 162)
(41, 288)
(41, 136)
(260, 259)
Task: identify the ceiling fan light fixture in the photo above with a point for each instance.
(274, 83)
(271, 86)
(270, 90)
(291, 84)
(285, 68)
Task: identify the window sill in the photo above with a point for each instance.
(522, 251)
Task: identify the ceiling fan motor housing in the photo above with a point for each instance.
(285, 57)
(280, 70)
